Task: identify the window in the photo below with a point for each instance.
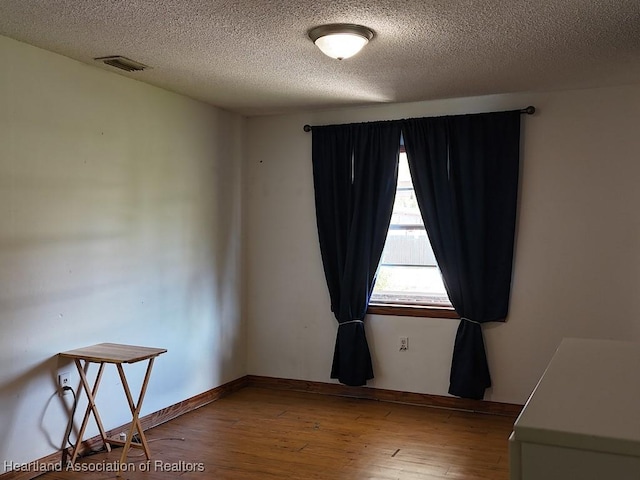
(409, 281)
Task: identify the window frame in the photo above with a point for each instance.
(399, 310)
(412, 310)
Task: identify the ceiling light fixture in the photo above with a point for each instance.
(340, 40)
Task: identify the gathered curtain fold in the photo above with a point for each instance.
(465, 173)
(355, 170)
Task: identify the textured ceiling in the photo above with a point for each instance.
(254, 57)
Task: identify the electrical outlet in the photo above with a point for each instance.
(404, 343)
(63, 381)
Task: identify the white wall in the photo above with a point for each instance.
(577, 264)
(120, 221)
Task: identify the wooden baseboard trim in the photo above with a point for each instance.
(422, 399)
(147, 422)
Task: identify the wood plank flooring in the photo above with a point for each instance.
(268, 434)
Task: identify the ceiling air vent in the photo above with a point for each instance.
(123, 63)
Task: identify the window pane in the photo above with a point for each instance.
(408, 247)
(405, 208)
(413, 285)
(408, 271)
(404, 174)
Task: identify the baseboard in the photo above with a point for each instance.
(147, 422)
(422, 399)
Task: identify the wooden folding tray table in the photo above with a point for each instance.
(117, 354)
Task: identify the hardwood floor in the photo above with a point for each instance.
(268, 434)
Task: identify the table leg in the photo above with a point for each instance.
(91, 407)
(135, 411)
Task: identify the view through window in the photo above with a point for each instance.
(408, 273)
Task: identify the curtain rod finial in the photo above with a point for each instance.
(530, 110)
(307, 128)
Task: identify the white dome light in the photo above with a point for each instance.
(340, 41)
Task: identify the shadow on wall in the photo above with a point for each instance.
(213, 288)
(228, 248)
(12, 393)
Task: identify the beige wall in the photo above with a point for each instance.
(119, 222)
(577, 264)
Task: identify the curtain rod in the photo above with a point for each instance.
(530, 110)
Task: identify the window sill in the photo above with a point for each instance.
(412, 311)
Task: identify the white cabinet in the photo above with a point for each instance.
(582, 420)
